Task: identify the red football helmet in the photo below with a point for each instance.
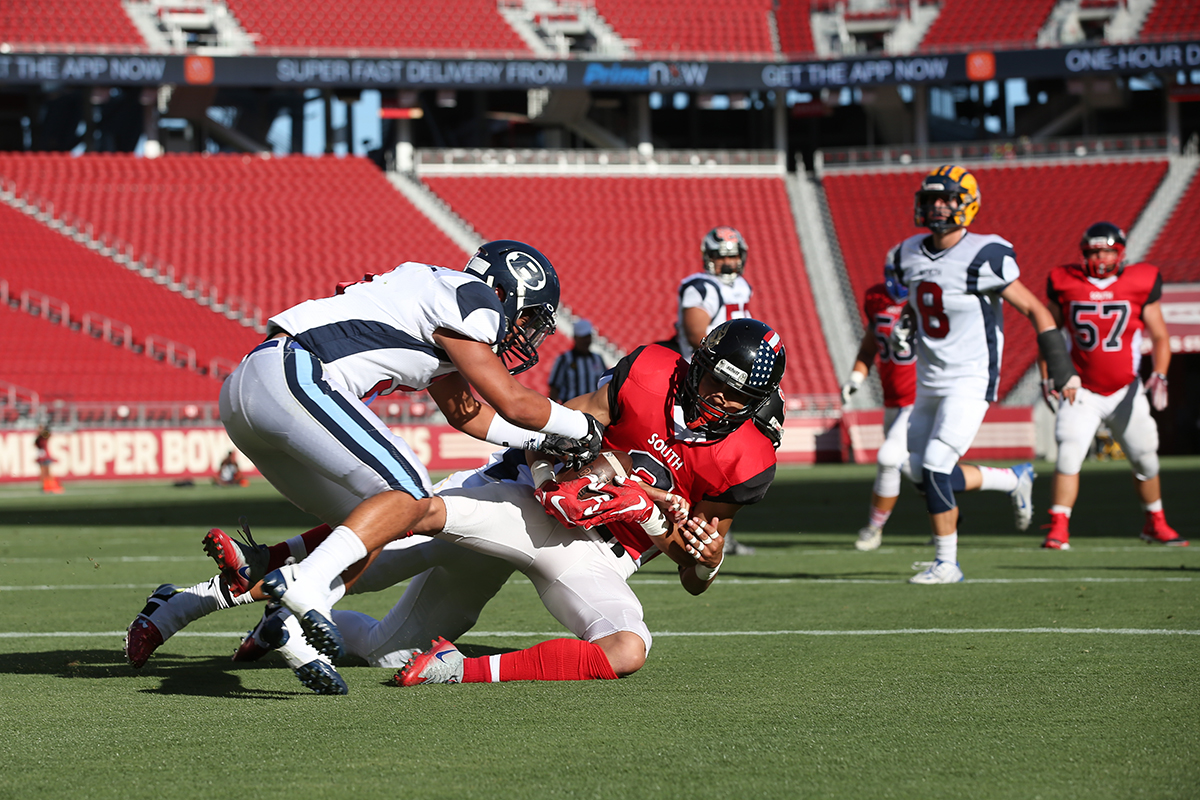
(1103, 248)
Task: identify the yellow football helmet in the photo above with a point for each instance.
(957, 188)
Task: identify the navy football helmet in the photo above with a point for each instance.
(529, 291)
(743, 354)
(724, 242)
(1103, 248)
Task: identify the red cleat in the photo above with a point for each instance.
(242, 564)
(142, 637)
(1157, 531)
(441, 663)
(1056, 537)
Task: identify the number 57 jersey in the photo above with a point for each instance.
(1104, 317)
(960, 321)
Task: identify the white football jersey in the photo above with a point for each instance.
(377, 336)
(721, 301)
(960, 319)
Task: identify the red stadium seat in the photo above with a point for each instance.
(968, 22)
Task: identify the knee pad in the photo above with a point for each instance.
(939, 491)
(1145, 465)
(887, 481)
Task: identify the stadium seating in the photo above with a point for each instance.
(795, 28)
(1174, 251)
(61, 364)
(622, 244)
(273, 231)
(968, 22)
(474, 26)
(101, 22)
(40, 260)
(692, 26)
(1172, 19)
(1041, 208)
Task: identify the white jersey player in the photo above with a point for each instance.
(718, 294)
(294, 406)
(956, 283)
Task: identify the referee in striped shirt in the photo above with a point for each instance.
(576, 371)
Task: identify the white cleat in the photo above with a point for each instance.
(938, 572)
(869, 538)
(1022, 496)
(311, 608)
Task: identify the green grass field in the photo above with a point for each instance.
(808, 670)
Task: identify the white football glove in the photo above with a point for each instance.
(851, 385)
(1156, 388)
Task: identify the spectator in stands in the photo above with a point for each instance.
(229, 473)
(41, 443)
(1112, 393)
(576, 371)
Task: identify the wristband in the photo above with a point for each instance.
(657, 524)
(542, 472)
(503, 433)
(566, 422)
(706, 574)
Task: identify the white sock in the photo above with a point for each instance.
(1150, 508)
(997, 480)
(188, 606)
(340, 550)
(1064, 510)
(947, 548)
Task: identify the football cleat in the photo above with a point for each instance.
(1022, 496)
(1057, 533)
(242, 564)
(309, 665)
(269, 634)
(441, 663)
(938, 572)
(1157, 531)
(142, 637)
(735, 548)
(310, 607)
(869, 538)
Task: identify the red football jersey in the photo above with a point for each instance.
(897, 374)
(1104, 318)
(642, 399)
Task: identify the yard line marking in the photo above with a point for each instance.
(544, 634)
(725, 580)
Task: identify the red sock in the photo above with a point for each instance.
(280, 553)
(555, 660)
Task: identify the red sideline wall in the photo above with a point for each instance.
(154, 453)
(1006, 434)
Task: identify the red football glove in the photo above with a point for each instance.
(1156, 387)
(607, 503)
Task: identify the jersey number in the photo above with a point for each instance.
(934, 322)
(883, 330)
(1088, 333)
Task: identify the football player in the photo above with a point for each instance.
(882, 305)
(710, 297)
(957, 283)
(1106, 307)
(705, 451)
(294, 405)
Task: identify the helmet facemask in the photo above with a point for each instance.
(1103, 249)
(518, 349)
(724, 252)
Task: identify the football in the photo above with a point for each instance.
(608, 465)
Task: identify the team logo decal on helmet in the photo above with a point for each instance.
(744, 355)
(957, 189)
(1103, 248)
(529, 292)
(724, 242)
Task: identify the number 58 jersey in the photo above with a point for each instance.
(960, 321)
(1104, 317)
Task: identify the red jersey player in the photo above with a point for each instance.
(1108, 307)
(882, 305)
